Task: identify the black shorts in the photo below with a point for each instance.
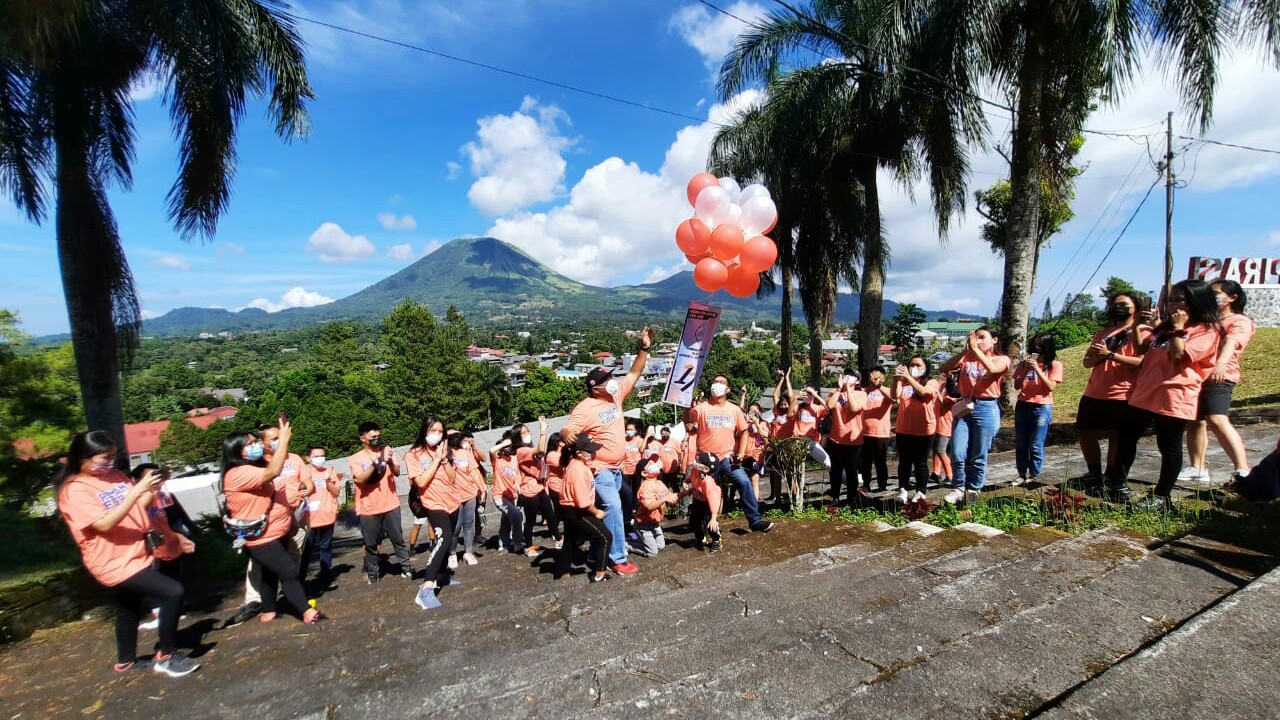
(1215, 399)
(1100, 415)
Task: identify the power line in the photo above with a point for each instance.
(1231, 145)
(1122, 232)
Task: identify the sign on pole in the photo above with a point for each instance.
(695, 342)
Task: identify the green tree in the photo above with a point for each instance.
(182, 443)
(66, 122)
(902, 328)
(337, 350)
(544, 394)
(1115, 286)
(1079, 307)
(1066, 332)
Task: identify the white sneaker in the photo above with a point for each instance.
(1018, 481)
(453, 561)
(469, 559)
(560, 544)
(903, 497)
(1203, 476)
(1190, 472)
(971, 497)
(953, 497)
(152, 624)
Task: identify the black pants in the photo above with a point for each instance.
(375, 527)
(580, 525)
(279, 569)
(1169, 435)
(845, 460)
(539, 504)
(627, 496)
(558, 510)
(699, 518)
(913, 461)
(134, 598)
(443, 523)
(875, 454)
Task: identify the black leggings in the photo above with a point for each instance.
(134, 598)
(845, 460)
(699, 519)
(539, 504)
(279, 569)
(913, 461)
(443, 523)
(627, 497)
(579, 525)
(1169, 435)
(875, 454)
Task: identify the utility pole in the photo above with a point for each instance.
(1168, 205)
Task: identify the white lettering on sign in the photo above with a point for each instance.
(1249, 272)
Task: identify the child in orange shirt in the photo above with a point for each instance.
(653, 497)
(582, 519)
(326, 485)
(704, 511)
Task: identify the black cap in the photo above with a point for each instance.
(585, 443)
(597, 377)
(707, 459)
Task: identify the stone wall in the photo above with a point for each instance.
(1263, 306)
(51, 601)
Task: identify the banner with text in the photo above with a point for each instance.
(695, 342)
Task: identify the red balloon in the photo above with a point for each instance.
(693, 259)
(698, 183)
(726, 241)
(759, 254)
(693, 237)
(710, 274)
(742, 282)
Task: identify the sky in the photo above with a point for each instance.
(408, 151)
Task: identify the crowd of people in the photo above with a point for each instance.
(602, 482)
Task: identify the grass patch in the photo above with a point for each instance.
(38, 548)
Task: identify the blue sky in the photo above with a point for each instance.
(408, 151)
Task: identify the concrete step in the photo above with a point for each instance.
(1222, 664)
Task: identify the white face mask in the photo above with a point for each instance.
(612, 387)
(526, 439)
(631, 433)
(850, 380)
(433, 439)
(318, 461)
(916, 372)
(466, 446)
(719, 389)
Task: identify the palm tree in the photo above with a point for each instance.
(873, 114)
(66, 121)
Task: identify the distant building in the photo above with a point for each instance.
(237, 393)
(143, 438)
(951, 330)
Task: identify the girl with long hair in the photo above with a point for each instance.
(470, 481)
(917, 420)
(432, 475)
(983, 366)
(582, 519)
(555, 483)
(534, 500)
(1035, 378)
(107, 514)
(506, 457)
(1215, 395)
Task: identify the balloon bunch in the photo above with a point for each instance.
(725, 239)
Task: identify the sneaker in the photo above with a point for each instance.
(372, 579)
(407, 574)
(762, 527)
(953, 497)
(243, 615)
(903, 497)
(715, 547)
(426, 598)
(593, 578)
(1190, 472)
(452, 562)
(970, 497)
(1021, 479)
(1203, 477)
(1155, 503)
(626, 568)
(469, 559)
(501, 547)
(174, 665)
(532, 551)
(560, 544)
(134, 665)
(151, 624)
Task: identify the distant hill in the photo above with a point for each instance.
(495, 283)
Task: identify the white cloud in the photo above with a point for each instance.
(228, 248)
(171, 262)
(714, 34)
(391, 221)
(517, 158)
(1274, 238)
(149, 315)
(431, 247)
(452, 170)
(662, 273)
(334, 245)
(293, 298)
(400, 253)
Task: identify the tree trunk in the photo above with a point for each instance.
(1024, 205)
(871, 296)
(817, 332)
(788, 258)
(88, 295)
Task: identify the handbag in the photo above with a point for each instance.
(963, 407)
(240, 530)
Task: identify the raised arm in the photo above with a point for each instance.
(542, 435)
(642, 355)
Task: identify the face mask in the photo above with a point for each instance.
(719, 389)
(850, 380)
(526, 439)
(653, 470)
(1118, 313)
(466, 446)
(433, 439)
(253, 452)
(612, 387)
(631, 433)
(666, 438)
(102, 467)
(782, 411)
(275, 444)
(916, 372)
(986, 345)
(318, 461)
(375, 441)
(1221, 299)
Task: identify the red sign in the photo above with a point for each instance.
(1249, 272)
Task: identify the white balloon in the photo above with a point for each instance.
(712, 205)
(735, 213)
(753, 190)
(731, 186)
(758, 213)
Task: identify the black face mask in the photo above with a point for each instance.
(1118, 313)
(375, 442)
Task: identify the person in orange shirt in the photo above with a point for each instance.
(555, 483)
(534, 500)
(252, 494)
(983, 366)
(948, 391)
(722, 431)
(704, 511)
(582, 519)
(671, 466)
(470, 472)
(782, 425)
(326, 485)
(431, 474)
(1035, 378)
(509, 478)
(1179, 356)
(877, 430)
(630, 475)
(373, 473)
(757, 443)
(844, 442)
(1215, 394)
(107, 515)
(652, 498)
(917, 421)
(1113, 358)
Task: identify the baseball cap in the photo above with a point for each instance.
(586, 444)
(598, 376)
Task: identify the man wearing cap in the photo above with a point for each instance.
(722, 431)
(844, 442)
(600, 417)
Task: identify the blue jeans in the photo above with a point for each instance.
(609, 499)
(1030, 427)
(745, 491)
(319, 541)
(970, 441)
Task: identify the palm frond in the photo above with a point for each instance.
(1190, 34)
(1259, 23)
(24, 157)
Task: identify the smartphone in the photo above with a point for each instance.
(1146, 301)
(281, 419)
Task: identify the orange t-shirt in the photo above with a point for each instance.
(1110, 380)
(1172, 388)
(976, 381)
(653, 490)
(846, 423)
(718, 426)
(439, 494)
(120, 553)
(631, 454)
(322, 503)
(602, 420)
(1240, 329)
(783, 427)
(290, 480)
(875, 414)
(506, 477)
(942, 411)
(373, 497)
(757, 440)
(469, 477)
(530, 464)
(917, 416)
(670, 455)
(806, 418)
(1033, 389)
(248, 499)
(688, 452)
(579, 485)
(705, 488)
